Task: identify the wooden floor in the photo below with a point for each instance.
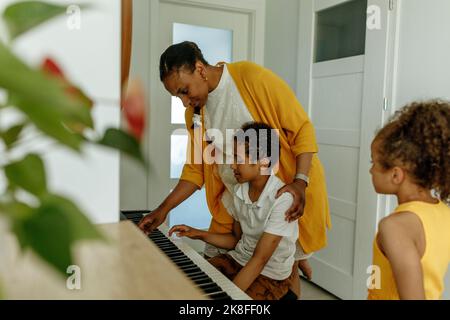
(310, 291)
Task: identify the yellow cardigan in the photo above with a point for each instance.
(270, 100)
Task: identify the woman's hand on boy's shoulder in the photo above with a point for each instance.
(297, 189)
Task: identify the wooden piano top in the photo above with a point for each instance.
(129, 267)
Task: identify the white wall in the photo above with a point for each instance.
(133, 179)
(424, 51)
(423, 56)
(281, 52)
(90, 58)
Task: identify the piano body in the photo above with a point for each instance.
(207, 278)
(127, 266)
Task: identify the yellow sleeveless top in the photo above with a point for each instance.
(436, 223)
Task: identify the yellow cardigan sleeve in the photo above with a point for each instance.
(275, 96)
(193, 172)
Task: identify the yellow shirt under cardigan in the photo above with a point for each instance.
(435, 219)
(270, 100)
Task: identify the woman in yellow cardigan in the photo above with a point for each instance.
(224, 97)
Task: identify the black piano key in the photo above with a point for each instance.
(200, 277)
(157, 236)
(181, 261)
(184, 263)
(132, 215)
(174, 251)
(189, 269)
(166, 247)
(195, 274)
(171, 249)
(203, 282)
(211, 289)
(177, 257)
(164, 244)
(220, 296)
(162, 241)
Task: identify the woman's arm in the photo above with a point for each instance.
(183, 190)
(397, 239)
(298, 187)
(265, 248)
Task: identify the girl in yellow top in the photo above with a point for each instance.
(411, 157)
(225, 97)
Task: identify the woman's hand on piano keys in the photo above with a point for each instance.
(153, 220)
(186, 231)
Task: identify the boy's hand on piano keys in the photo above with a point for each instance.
(152, 221)
(186, 231)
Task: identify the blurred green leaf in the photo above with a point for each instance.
(52, 229)
(49, 121)
(81, 227)
(29, 174)
(17, 212)
(23, 16)
(48, 233)
(120, 140)
(11, 135)
(43, 99)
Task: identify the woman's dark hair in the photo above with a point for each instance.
(178, 56)
(417, 138)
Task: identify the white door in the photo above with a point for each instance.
(224, 32)
(342, 80)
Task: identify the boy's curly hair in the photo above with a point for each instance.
(265, 141)
(417, 139)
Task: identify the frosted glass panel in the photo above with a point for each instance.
(216, 45)
(341, 31)
(178, 149)
(177, 111)
(192, 212)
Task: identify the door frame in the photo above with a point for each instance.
(378, 95)
(255, 9)
(377, 86)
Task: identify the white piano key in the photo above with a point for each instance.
(227, 286)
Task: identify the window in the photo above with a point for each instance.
(341, 31)
(216, 46)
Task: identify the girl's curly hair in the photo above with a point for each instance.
(417, 139)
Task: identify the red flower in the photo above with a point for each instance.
(134, 107)
(52, 69)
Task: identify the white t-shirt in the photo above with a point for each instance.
(265, 215)
(224, 110)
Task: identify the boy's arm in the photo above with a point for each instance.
(266, 246)
(224, 241)
(396, 241)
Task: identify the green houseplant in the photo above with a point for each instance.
(43, 221)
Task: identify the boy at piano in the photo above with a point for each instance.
(262, 246)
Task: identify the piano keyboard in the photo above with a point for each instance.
(211, 281)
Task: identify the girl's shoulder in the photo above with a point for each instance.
(400, 227)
